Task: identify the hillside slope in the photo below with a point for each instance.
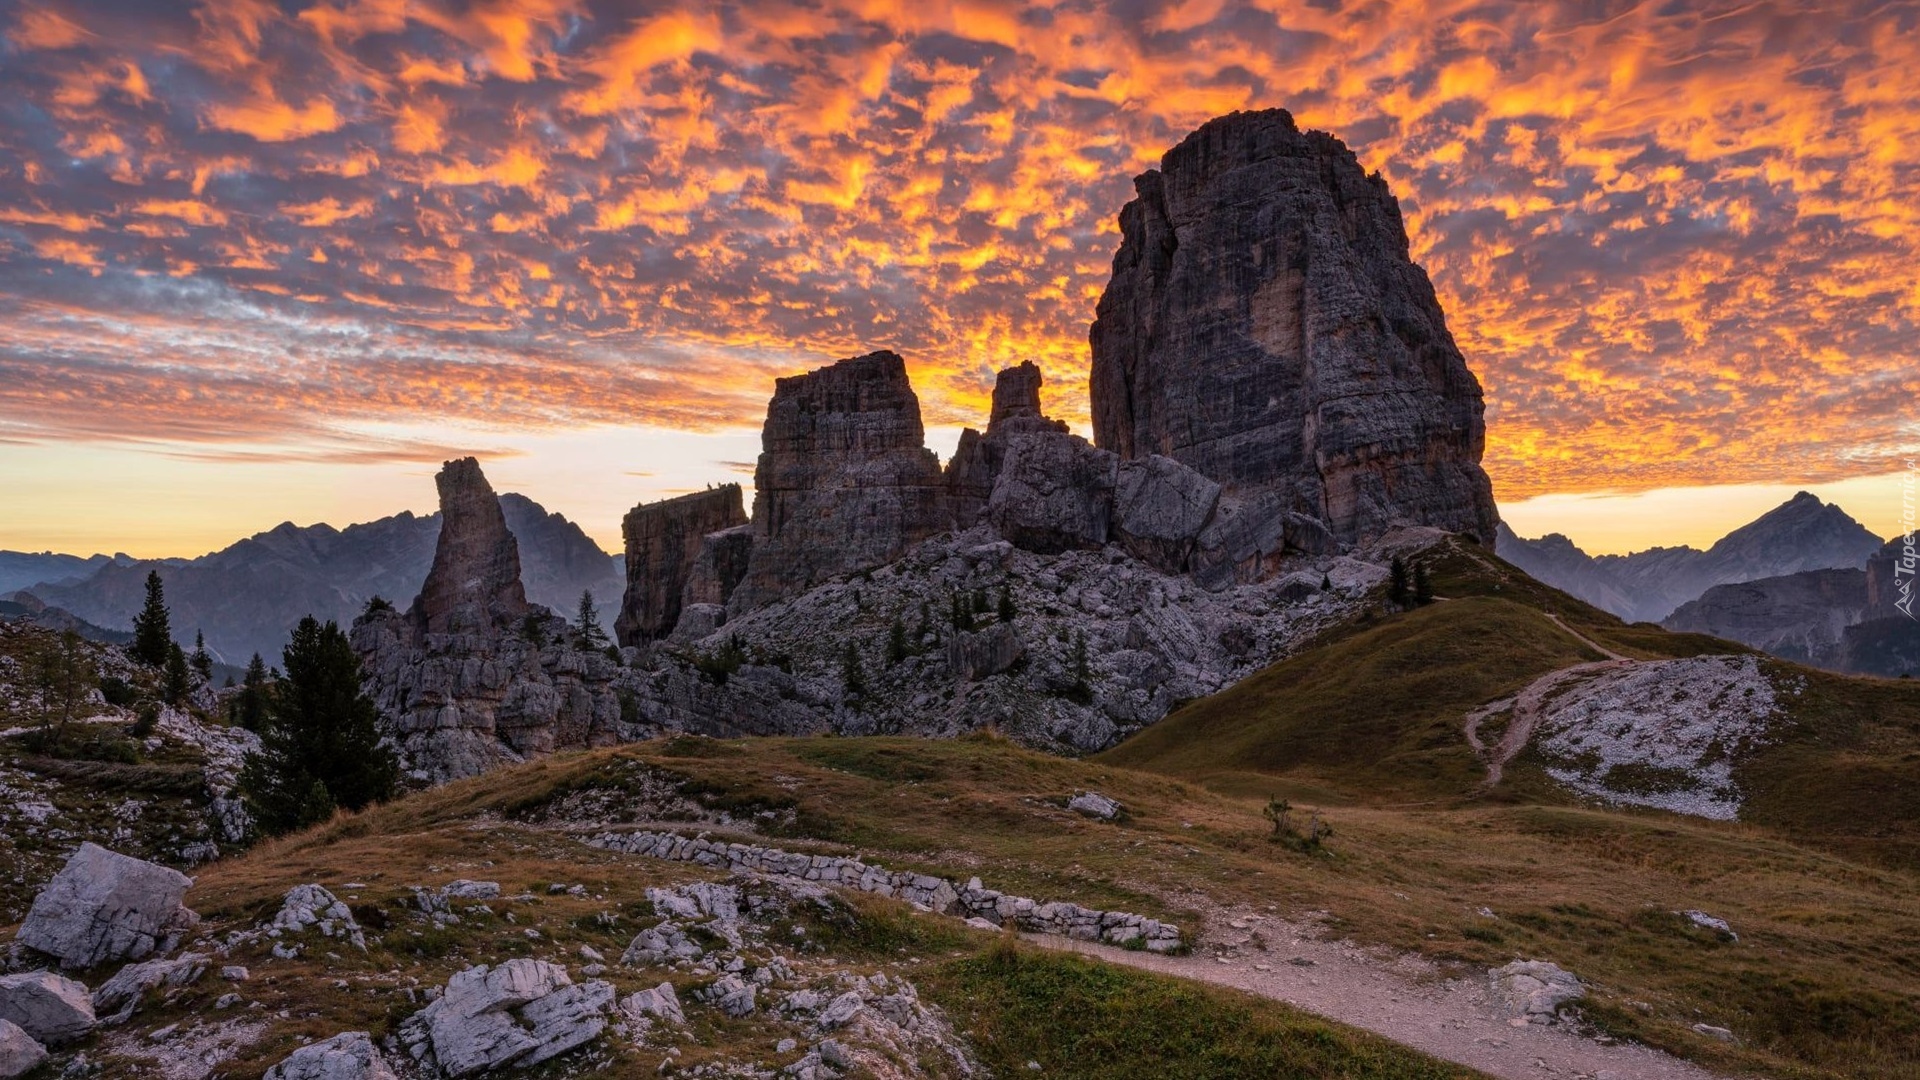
(1375, 713)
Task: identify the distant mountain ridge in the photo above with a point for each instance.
(247, 596)
(19, 569)
(1799, 535)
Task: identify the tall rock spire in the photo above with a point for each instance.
(474, 586)
(1266, 326)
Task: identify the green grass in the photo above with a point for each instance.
(1377, 711)
(1083, 1019)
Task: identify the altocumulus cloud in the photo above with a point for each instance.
(1677, 241)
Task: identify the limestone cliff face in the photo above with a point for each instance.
(474, 585)
(1801, 616)
(845, 481)
(1266, 326)
(664, 541)
(1890, 581)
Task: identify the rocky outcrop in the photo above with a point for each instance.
(1800, 617)
(1160, 509)
(246, 595)
(845, 481)
(472, 676)
(1054, 493)
(474, 586)
(1266, 326)
(520, 1013)
(104, 906)
(977, 460)
(665, 541)
(349, 1055)
(969, 900)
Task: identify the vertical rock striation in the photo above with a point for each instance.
(845, 481)
(664, 542)
(978, 459)
(474, 585)
(1266, 326)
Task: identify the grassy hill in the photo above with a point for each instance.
(1820, 984)
(1372, 715)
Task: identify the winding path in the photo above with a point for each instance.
(1525, 705)
(1399, 999)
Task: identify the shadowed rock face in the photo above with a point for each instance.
(845, 481)
(474, 585)
(664, 542)
(978, 459)
(1890, 581)
(1266, 327)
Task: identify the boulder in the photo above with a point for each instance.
(975, 655)
(349, 1055)
(1054, 493)
(1094, 805)
(1160, 508)
(474, 585)
(845, 481)
(115, 1000)
(664, 540)
(50, 1007)
(519, 1013)
(1266, 326)
(20, 1053)
(660, 1003)
(104, 906)
(313, 905)
(1534, 990)
(1249, 540)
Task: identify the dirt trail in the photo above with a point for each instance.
(1399, 998)
(1526, 704)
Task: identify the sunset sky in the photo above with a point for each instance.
(264, 261)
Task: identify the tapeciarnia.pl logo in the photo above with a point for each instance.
(1903, 567)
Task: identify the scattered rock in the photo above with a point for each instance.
(52, 1008)
(116, 999)
(20, 1053)
(1719, 926)
(521, 1012)
(349, 1055)
(1533, 990)
(104, 906)
(312, 905)
(660, 1003)
(1712, 1032)
(1094, 805)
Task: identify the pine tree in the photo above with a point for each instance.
(179, 677)
(250, 704)
(896, 641)
(1422, 585)
(850, 671)
(320, 745)
(1006, 610)
(591, 635)
(980, 601)
(962, 613)
(1082, 687)
(152, 633)
(1399, 583)
(202, 661)
(64, 675)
